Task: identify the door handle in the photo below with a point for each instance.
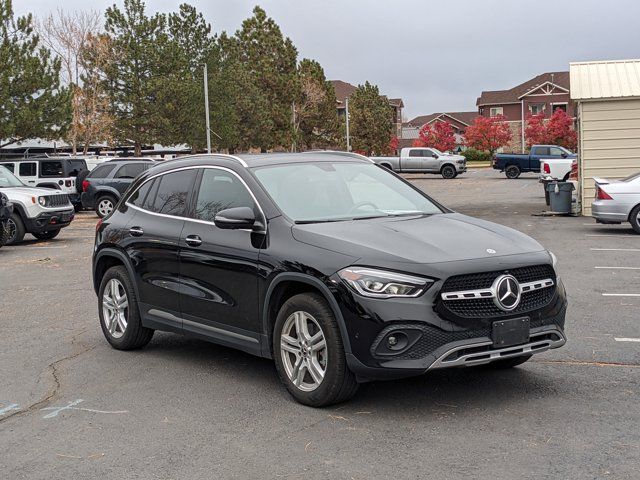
(136, 231)
(193, 241)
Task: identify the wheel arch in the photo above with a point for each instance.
(283, 287)
(386, 165)
(106, 192)
(52, 185)
(447, 164)
(631, 212)
(105, 259)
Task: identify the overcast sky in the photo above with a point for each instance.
(436, 55)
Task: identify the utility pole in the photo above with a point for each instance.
(206, 108)
(347, 122)
(293, 127)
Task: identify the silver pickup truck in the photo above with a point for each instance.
(424, 160)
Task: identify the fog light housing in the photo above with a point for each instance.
(396, 340)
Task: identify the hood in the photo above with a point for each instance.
(422, 239)
(31, 191)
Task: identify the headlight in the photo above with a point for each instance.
(554, 259)
(382, 284)
(42, 201)
(460, 162)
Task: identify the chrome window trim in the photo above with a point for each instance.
(491, 292)
(224, 156)
(197, 220)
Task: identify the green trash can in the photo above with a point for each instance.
(560, 194)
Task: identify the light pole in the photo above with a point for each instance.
(206, 108)
(347, 121)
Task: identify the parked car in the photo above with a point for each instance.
(618, 201)
(6, 209)
(336, 268)
(93, 162)
(104, 185)
(49, 172)
(513, 164)
(42, 212)
(424, 160)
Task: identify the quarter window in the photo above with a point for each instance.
(101, 171)
(172, 193)
(51, 169)
(27, 169)
(130, 170)
(218, 191)
(139, 196)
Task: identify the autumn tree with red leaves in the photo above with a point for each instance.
(393, 145)
(438, 135)
(557, 130)
(488, 134)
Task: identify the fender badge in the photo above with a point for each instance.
(491, 250)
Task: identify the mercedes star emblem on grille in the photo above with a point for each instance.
(507, 292)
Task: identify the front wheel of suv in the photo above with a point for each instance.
(118, 309)
(16, 229)
(309, 353)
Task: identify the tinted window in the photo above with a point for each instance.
(139, 196)
(51, 168)
(173, 191)
(555, 151)
(415, 153)
(9, 166)
(74, 167)
(101, 171)
(541, 151)
(130, 170)
(28, 169)
(220, 190)
(151, 196)
(427, 153)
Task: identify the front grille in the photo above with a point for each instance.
(484, 307)
(61, 200)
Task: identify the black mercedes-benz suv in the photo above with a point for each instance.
(336, 268)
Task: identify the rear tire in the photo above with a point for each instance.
(119, 313)
(326, 355)
(448, 172)
(512, 172)
(105, 205)
(47, 235)
(16, 229)
(634, 219)
(508, 362)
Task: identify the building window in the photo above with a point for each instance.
(536, 108)
(495, 111)
(558, 106)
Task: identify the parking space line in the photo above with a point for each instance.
(625, 339)
(621, 294)
(610, 235)
(615, 249)
(617, 268)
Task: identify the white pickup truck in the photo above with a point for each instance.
(559, 169)
(424, 160)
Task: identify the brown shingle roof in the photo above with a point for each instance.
(345, 89)
(464, 117)
(497, 97)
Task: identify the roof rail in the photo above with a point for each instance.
(343, 153)
(223, 155)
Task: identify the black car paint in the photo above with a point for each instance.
(223, 290)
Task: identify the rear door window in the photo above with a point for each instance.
(27, 169)
(51, 168)
(173, 192)
(415, 153)
(101, 171)
(130, 170)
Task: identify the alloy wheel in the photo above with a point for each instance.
(304, 351)
(105, 207)
(115, 308)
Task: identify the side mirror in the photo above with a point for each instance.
(563, 155)
(235, 218)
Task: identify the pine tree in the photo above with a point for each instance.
(370, 119)
(32, 102)
(134, 81)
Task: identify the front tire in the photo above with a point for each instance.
(634, 219)
(309, 353)
(512, 172)
(16, 229)
(47, 235)
(119, 314)
(448, 172)
(4, 233)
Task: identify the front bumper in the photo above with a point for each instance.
(461, 168)
(610, 211)
(47, 221)
(427, 338)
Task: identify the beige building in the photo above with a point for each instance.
(608, 98)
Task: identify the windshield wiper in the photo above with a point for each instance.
(324, 220)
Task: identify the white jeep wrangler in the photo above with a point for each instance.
(42, 212)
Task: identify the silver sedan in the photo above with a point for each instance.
(618, 201)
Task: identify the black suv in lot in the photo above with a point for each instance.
(336, 268)
(6, 209)
(105, 184)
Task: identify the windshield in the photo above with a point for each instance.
(327, 191)
(8, 179)
(437, 151)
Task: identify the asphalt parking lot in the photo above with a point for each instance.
(72, 407)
